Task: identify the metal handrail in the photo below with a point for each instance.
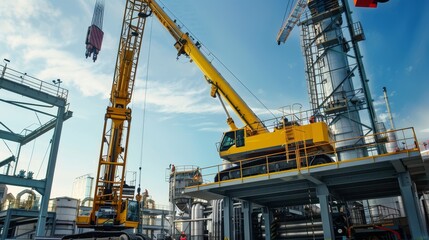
(405, 136)
(32, 82)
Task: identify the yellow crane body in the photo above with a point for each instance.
(236, 145)
(113, 209)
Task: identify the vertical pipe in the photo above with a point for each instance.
(389, 113)
(198, 227)
(192, 223)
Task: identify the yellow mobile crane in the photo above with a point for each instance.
(287, 141)
(112, 209)
(115, 209)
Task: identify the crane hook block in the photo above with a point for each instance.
(368, 3)
(94, 39)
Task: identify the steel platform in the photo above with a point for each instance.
(365, 178)
(16, 217)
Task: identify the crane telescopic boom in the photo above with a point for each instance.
(254, 139)
(185, 45)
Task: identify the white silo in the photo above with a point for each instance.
(179, 178)
(66, 211)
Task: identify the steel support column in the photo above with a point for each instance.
(6, 224)
(268, 219)
(227, 217)
(412, 207)
(247, 215)
(40, 229)
(323, 195)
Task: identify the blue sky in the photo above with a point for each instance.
(183, 123)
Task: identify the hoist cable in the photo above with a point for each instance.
(145, 101)
(44, 157)
(7, 147)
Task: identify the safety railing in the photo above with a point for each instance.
(377, 214)
(380, 144)
(32, 82)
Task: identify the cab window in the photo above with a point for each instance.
(231, 138)
(133, 211)
(227, 141)
(240, 138)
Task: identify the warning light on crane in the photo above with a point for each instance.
(94, 36)
(368, 3)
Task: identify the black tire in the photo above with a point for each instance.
(276, 167)
(320, 160)
(236, 174)
(224, 177)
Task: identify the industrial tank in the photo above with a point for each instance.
(197, 231)
(392, 144)
(66, 211)
(179, 178)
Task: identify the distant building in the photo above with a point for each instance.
(3, 192)
(83, 187)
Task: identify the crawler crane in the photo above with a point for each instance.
(113, 208)
(254, 141)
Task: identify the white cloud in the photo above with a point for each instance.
(180, 96)
(25, 9)
(417, 118)
(42, 37)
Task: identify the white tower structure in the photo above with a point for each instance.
(336, 79)
(83, 187)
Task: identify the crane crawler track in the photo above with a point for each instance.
(107, 235)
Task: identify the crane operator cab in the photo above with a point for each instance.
(232, 138)
(106, 215)
(258, 153)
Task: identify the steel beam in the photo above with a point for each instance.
(32, 93)
(412, 207)
(227, 217)
(247, 215)
(40, 229)
(267, 214)
(323, 195)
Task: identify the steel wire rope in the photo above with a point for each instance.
(311, 214)
(34, 144)
(145, 101)
(287, 11)
(193, 37)
(7, 147)
(44, 157)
